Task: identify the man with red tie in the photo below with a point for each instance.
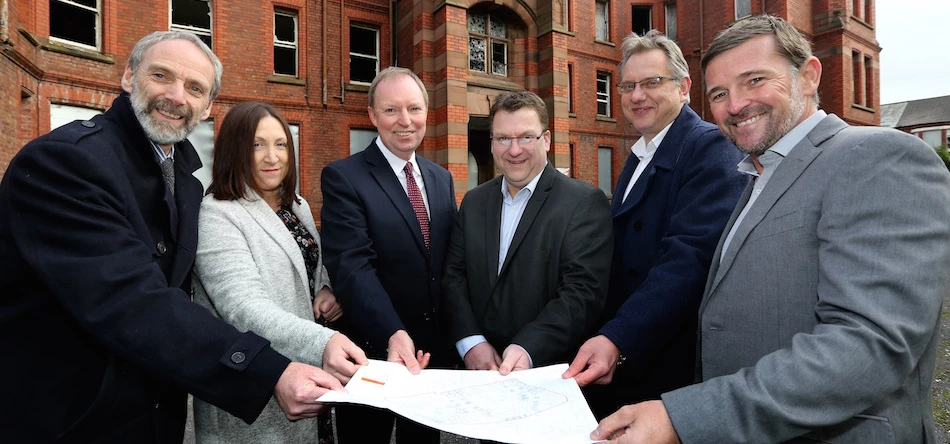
(386, 220)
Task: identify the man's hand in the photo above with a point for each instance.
(325, 304)
(482, 357)
(402, 350)
(299, 387)
(595, 362)
(514, 358)
(646, 422)
(342, 358)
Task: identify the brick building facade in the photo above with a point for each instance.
(313, 60)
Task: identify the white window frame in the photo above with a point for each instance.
(98, 30)
(606, 5)
(200, 32)
(603, 96)
(285, 44)
(374, 57)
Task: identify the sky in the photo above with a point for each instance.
(915, 57)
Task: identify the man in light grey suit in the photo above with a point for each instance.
(819, 322)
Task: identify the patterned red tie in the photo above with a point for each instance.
(418, 205)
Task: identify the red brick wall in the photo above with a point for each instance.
(243, 40)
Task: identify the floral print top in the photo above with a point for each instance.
(308, 245)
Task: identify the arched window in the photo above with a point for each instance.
(487, 44)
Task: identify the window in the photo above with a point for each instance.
(295, 133)
(60, 115)
(857, 85)
(192, 16)
(603, 21)
(604, 169)
(285, 43)
(603, 94)
(570, 88)
(487, 44)
(568, 18)
(868, 12)
(671, 30)
(572, 160)
(202, 138)
(642, 18)
(868, 82)
(76, 22)
(364, 53)
(857, 8)
(932, 137)
(360, 139)
(743, 8)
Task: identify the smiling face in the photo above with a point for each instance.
(399, 113)
(651, 110)
(756, 97)
(170, 91)
(519, 163)
(270, 159)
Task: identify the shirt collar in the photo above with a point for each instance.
(642, 149)
(396, 163)
(786, 143)
(160, 153)
(530, 186)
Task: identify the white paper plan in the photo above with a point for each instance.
(527, 406)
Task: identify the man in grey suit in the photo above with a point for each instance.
(820, 317)
(529, 258)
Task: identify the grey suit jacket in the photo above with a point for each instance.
(249, 271)
(553, 283)
(821, 321)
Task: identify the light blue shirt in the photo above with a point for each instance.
(770, 161)
(512, 208)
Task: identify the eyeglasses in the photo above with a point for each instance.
(648, 83)
(523, 141)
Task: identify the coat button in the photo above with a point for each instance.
(637, 226)
(633, 273)
(161, 248)
(237, 357)
(88, 123)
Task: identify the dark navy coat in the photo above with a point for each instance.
(98, 336)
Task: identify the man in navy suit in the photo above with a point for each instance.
(386, 219)
(98, 230)
(671, 203)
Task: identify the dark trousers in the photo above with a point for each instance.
(368, 425)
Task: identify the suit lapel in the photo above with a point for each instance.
(387, 180)
(267, 219)
(629, 167)
(665, 158)
(787, 173)
(493, 231)
(530, 213)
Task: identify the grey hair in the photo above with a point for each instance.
(634, 44)
(147, 42)
(394, 71)
(789, 42)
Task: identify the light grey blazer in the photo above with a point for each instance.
(821, 322)
(249, 271)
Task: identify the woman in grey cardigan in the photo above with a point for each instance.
(259, 267)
